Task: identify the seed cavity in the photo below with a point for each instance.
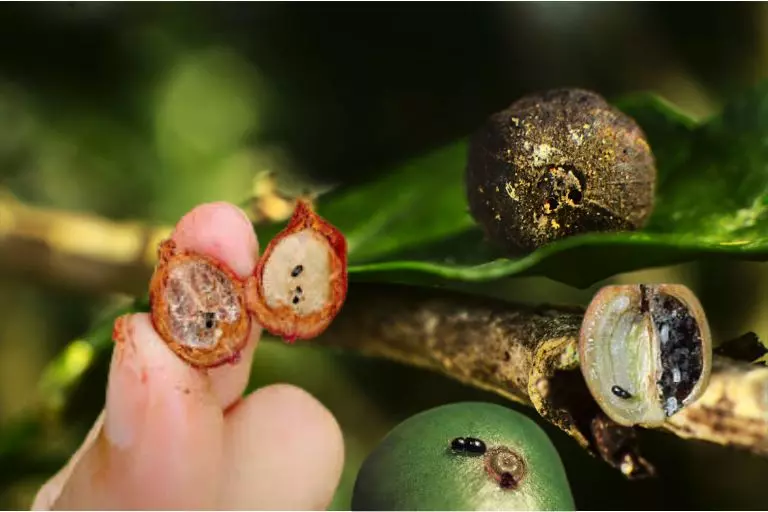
(681, 355)
(298, 273)
(644, 351)
(199, 298)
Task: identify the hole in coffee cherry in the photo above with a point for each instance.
(575, 196)
(551, 204)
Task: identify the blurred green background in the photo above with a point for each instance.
(141, 111)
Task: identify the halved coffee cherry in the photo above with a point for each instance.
(300, 281)
(645, 351)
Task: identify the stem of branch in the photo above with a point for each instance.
(86, 251)
(530, 355)
(525, 354)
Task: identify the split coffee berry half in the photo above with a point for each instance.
(300, 281)
(645, 351)
(198, 306)
(202, 309)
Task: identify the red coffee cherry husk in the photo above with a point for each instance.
(300, 281)
(198, 306)
(202, 309)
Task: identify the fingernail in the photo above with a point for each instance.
(127, 387)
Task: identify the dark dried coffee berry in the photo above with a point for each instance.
(557, 164)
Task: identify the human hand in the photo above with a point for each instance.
(174, 437)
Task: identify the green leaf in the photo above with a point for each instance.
(412, 225)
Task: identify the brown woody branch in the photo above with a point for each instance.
(527, 355)
(530, 355)
(86, 251)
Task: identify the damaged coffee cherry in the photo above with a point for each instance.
(198, 306)
(505, 466)
(300, 281)
(558, 164)
(645, 351)
(414, 469)
(202, 309)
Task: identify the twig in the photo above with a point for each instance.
(530, 356)
(86, 251)
(527, 355)
(81, 250)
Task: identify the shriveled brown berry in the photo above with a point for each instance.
(198, 307)
(557, 164)
(300, 281)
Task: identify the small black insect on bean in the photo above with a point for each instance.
(298, 293)
(210, 319)
(468, 445)
(621, 392)
(298, 269)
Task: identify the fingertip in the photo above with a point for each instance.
(284, 450)
(161, 438)
(228, 382)
(50, 492)
(221, 230)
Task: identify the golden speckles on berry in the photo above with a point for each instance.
(569, 156)
(510, 189)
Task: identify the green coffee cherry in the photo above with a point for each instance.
(464, 456)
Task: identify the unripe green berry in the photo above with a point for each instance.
(464, 456)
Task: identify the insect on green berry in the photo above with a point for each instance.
(645, 351)
(557, 164)
(468, 445)
(501, 460)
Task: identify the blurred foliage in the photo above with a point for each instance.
(142, 112)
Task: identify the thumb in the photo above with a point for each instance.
(160, 445)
